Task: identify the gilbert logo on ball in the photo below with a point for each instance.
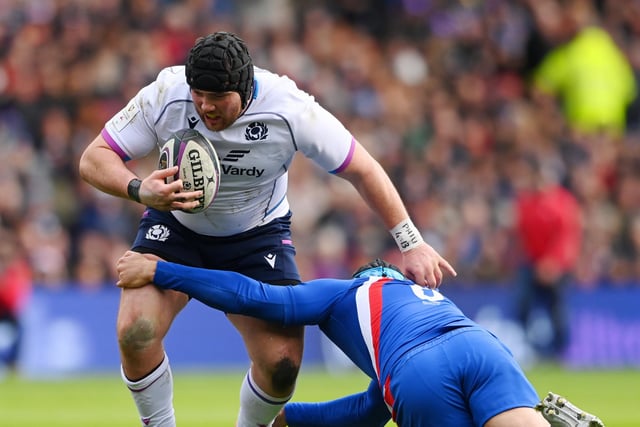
(199, 167)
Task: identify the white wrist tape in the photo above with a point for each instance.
(406, 235)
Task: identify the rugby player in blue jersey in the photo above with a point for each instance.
(430, 365)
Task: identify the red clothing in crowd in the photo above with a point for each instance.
(548, 223)
(15, 286)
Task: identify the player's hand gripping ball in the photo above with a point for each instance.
(199, 167)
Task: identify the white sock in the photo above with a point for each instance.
(153, 396)
(257, 408)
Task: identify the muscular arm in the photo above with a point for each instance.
(103, 168)
(375, 187)
(422, 264)
(366, 409)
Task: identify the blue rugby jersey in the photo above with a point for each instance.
(374, 320)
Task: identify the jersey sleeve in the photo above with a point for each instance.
(366, 409)
(304, 304)
(132, 131)
(324, 139)
(129, 133)
(317, 133)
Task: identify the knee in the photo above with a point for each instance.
(135, 334)
(284, 374)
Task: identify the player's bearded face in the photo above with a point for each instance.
(218, 110)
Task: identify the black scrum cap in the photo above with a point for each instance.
(220, 62)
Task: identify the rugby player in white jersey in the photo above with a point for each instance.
(257, 121)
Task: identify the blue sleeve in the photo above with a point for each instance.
(366, 409)
(306, 303)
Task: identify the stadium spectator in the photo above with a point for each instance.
(403, 336)
(67, 67)
(549, 233)
(589, 73)
(247, 228)
(15, 291)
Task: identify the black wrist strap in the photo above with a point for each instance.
(133, 189)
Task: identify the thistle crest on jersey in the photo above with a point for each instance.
(256, 131)
(199, 167)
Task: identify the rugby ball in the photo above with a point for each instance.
(199, 167)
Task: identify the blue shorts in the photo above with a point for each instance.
(473, 375)
(265, 253)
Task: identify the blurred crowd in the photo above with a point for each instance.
(448, 95)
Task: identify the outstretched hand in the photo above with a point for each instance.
(424, 265)
(135, 270)
(156, 193)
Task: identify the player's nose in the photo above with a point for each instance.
(207, 106)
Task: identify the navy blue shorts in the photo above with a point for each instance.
(265, 253)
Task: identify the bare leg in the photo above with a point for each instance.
(518, 417)
(144, 317)
(276, 354)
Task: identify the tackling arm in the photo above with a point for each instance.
(304, 304)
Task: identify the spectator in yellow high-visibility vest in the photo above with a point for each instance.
(590, 75)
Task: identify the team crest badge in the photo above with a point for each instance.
(157, 232)
(256, 131)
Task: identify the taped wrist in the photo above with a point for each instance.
(133, 189)
(406, 235)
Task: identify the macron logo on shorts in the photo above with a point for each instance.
(271, 260)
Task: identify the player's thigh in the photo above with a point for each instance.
(148, 302)
(156, 307)
(267, 343)
(518, 417)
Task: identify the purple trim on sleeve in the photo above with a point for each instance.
(114, 145)
(346, 162)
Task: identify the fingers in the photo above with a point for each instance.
(165, 173)
(444, 264)
(426, 267)
(435, 277)
(185, 200)
(121, 268)
(431, 279)
(174, 187)
(176, 195)
(126, 269)
(434, 280)
(157, 193)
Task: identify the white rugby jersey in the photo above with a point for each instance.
(255, 152)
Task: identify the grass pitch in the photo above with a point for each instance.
(209, 399)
